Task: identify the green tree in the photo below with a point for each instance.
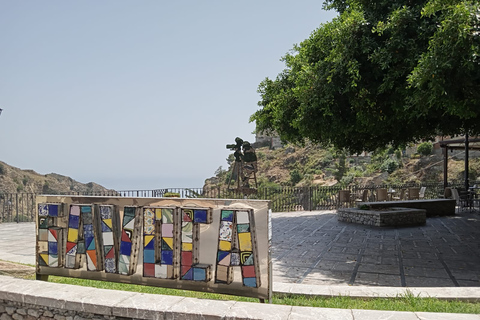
(425, 148)
(363, 80)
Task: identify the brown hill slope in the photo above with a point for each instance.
(13, 180)
(311, 165)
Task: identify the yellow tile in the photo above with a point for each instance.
(44, 257)
(245, 241)
(225, 246)
(158, 214)
(72, 235)
(108, 222)
(168, 241)
(147, 240)
(187, 246)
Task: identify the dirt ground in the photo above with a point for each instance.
(16, 270)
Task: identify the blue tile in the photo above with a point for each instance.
(250, 282)
(53, 210)
(149, 256)
(73, 221)
(126, 248)
(199, 274)
(85, 209)
(167, 257)
(52, 247)
(200, 216)
(227, 215)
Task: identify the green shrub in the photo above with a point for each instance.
(295, 176)
(425, 148)
(171, 195)
(389, 165)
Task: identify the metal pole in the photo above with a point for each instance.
(467, 184)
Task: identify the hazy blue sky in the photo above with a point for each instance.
(138, 94)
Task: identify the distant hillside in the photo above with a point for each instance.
(311, 165)
(17, 180)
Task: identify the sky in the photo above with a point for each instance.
(138, 94)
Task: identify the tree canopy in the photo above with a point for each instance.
(384, 72)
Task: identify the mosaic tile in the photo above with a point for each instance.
(161, 271)
(87, 218)
(72, 235)
(225, 245)
(241, 228)
(158, 214)
(187, 246)
(43, 210)
(244, 256)
(187, 215)
(245, 241)
(248, 271)
(110, 266)
(167, 216)
(250, 282)
(53, 248)
(53, 260)
(186, 258)
(53, 210)
(43, 223)
(249, 261)
(167, 257)
(226, 260)
(70, 261)
(148, 213)
(105, 212)
(167, 244)
(75, 210)
(43, 234)
(235, 259)
(86, 209)
(149, 270)
(242, 217)
(81, 249)
(167, 230)
(109, 252)
(200, 216)
(108, 241)
(126, 248)
(149, 242)
(227, 215)
(126, 236)
(90, 243)
(71, 248)
(73, 221)
(149, 256)
(187, 237)
(52, 235)
(187, 273)
(222, 274)
(91, 260)
(225, 232)
(43, 246)
(199, 274)
(43, 259)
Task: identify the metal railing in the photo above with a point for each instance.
(20, 207)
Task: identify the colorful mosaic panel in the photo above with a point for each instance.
(49, 235)
(128, 227)
(181, 247)
(236, 248)
(108, 237)
(190, 269)
(158, 242)
(81, 238)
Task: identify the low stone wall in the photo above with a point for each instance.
(433, 207)
(383, 217)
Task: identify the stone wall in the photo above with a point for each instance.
(383, 218)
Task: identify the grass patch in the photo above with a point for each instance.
(406, 302)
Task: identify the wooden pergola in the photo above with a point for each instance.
(458, 144)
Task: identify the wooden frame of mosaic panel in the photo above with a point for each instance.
(211, 245)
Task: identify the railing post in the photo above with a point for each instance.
(16, 206)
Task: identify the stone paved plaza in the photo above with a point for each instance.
(314, 248)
